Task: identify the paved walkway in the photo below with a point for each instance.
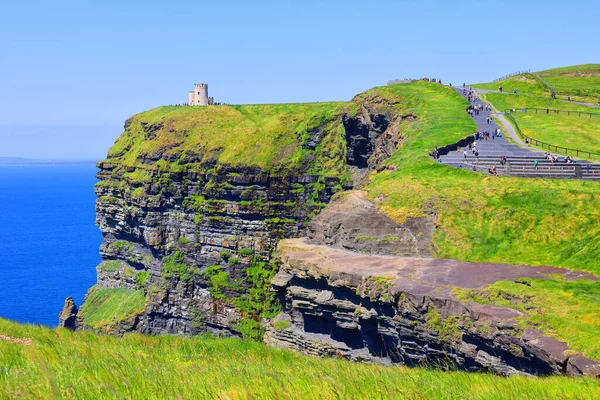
(495, 148)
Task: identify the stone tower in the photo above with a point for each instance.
(199, 97)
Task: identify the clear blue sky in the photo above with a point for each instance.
(71, 72)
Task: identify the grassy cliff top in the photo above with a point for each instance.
(264, 136)
(57, 363)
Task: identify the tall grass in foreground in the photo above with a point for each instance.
(62, 364)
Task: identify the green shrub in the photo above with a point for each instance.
(111, 266)
(233, 261)
(175, 266)
(141, 279)
(281, 324)
(246, 252)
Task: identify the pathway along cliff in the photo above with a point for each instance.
(192, 243)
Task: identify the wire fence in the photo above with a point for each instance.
(550, 87)
(551, 111)
(544, 145)
(511, 75)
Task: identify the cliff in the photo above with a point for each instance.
(192, 201)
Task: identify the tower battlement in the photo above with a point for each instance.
(199, 96)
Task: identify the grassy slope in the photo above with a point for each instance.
(483, 218)
(62, 364)
(581, 81)
(571, 131)
(264, 136)
(525, 83)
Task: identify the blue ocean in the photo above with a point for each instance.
(48, 240)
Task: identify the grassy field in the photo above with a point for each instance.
(572, 131)
(62, 364)
(580, 81)
(265, 136)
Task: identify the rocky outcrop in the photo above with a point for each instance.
(402, 310)
(352, 222)
(68, 316)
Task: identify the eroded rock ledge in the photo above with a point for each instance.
(401, 310)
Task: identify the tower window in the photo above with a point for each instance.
(198, 93)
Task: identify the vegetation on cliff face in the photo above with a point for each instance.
(480, 217)
(62, 364)
(107, 307)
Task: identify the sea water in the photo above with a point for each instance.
(48, 240)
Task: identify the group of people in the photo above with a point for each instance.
(479, 135)
(473, 148)
(553, 158)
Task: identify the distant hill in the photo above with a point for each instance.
(581, 82)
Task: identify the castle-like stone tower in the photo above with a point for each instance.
(199, 97)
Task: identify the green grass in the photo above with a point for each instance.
(569, 311)
(269, 137)
(111, 266)
(107, 307)
(571, 131)
(63, 364)
(479, 217)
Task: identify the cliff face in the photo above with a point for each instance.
(192, 205)
(339, 301)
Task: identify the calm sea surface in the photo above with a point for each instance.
(48, 240)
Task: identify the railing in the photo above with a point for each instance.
(549, 146)
(544, 82)
(511, 75)
(557, 112)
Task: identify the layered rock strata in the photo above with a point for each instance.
(401, 310)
